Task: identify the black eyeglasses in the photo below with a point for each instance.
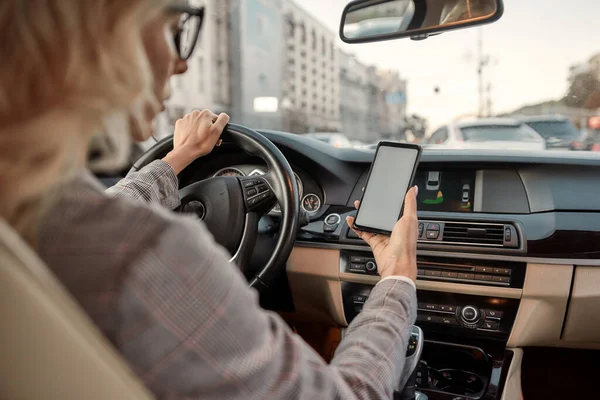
(190, 25)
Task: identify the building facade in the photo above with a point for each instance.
(272, 65)
(207, 82)
(311, 81)
(392, 105)
(256, 55)
(355, 98)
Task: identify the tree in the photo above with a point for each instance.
(584, 90)
(417, 125)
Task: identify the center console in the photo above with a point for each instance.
(464, 353)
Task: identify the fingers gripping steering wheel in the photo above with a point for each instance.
(232, 206)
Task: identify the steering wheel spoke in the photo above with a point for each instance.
(259, 196)
(242, 256)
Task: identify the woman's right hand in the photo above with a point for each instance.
(396, 254)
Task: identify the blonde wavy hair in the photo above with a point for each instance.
(67, 66)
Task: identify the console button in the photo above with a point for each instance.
(429, 318)
(449, 275)
(466, 276)
(433, 234)
(262, 187)
(357, 268)
(357, 259)
(490, 325)
(248, 184)
(501, 279)
(433, 307)
(433, 227)
(449, 321)
(502, 271)
(333, 219)
(412, 346)
(484, 270)
(359, 298)
(451, 309)
(421, 228)
(507, 234)
(432, 273)
(250, 192)
(480, 277)
(420, 272)
(493, 314)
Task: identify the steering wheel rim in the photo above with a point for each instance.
(280, 178)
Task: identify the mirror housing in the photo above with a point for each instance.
(366, 21)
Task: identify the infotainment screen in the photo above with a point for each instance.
(449, 191)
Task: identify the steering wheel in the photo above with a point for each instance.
(232, 206)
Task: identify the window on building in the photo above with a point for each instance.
(291, 26)
(302, 34)
(314, 40)
(263, 82)
(324, 45)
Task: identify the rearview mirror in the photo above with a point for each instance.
(376, 20)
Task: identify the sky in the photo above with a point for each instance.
(531, 47)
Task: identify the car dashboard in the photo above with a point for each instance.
(508, 249)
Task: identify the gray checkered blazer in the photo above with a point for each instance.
(163, 292)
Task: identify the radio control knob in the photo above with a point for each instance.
(470, 314)
(371, 266)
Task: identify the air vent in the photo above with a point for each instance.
(476, 233)
(482, 234)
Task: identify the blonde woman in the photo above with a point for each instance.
(155, 283)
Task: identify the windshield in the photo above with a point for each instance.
(496, 133)
(280, 65)
(555, 129)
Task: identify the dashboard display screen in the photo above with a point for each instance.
(448, 191)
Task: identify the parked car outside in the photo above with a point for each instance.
(487, 133)
(558, 131)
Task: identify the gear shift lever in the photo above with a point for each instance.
(406, 389)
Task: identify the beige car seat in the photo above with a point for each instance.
(49, 348)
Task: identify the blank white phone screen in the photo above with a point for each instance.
(388, 183)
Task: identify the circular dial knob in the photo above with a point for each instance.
(371, 266)
(470, 314)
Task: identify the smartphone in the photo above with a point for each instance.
(392, 173)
